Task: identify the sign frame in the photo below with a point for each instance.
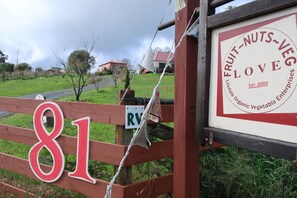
(251, 141)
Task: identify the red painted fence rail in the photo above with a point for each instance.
(99, 151)
(103, 113)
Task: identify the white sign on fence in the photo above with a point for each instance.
(133, 116)
(254, 76)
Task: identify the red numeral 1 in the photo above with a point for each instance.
(47, 140)
(82, 157)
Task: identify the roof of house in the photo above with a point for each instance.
(114, 62)
(161, 56)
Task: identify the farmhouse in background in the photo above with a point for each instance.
(112, 64)
(160, 60)
(55, 70)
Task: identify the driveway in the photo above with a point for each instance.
(105, 82)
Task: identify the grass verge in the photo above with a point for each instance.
(15, 88)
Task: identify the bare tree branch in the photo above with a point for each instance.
(78, 65)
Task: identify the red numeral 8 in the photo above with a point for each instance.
(47, 140)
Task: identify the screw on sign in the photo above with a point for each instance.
(48, 141)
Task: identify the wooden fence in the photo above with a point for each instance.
(99, 151)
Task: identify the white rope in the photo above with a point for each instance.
(109, 187)
(161, 21)
(146, 112)
(186, 30)
(151, 43)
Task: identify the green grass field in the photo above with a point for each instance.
(14, 88)
(225, 172)
(142, 84)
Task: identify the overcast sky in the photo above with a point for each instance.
(36, 29)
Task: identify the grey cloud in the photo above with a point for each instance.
(57, 26)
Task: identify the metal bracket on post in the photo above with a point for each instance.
(209, 139)
(295, 161)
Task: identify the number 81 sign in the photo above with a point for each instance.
(48, 141)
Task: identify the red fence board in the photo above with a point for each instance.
(152, 187)
(7, 190)
(97, 112)
(99, 151)
(158, 150)
(104, 113)
(22, 167)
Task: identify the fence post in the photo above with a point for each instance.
(186, 146)
(123, 137)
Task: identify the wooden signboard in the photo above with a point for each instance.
(254, 77)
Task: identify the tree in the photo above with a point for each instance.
(95, 81)
(22, 67)
(159, 49)
(39, 71)
(78, 67)
(128, 62)
(51, 72)
(115, 74)
(127, 79)
(4, 68)
(3, 57)
(80, 62)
